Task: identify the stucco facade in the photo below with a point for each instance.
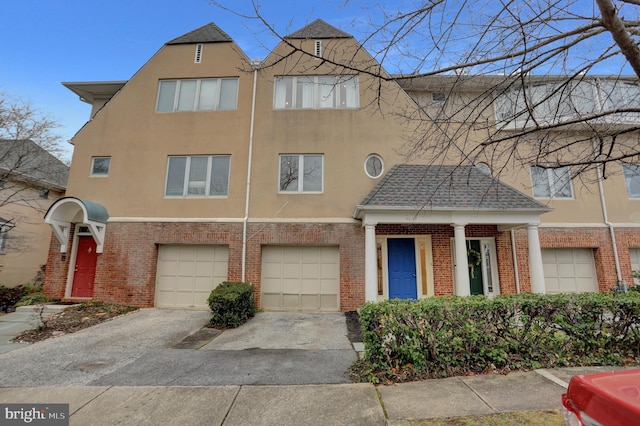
(344, 140)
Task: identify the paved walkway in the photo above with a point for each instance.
(316, 404)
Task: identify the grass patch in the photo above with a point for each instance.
(529, 418)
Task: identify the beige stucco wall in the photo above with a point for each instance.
(28, 242)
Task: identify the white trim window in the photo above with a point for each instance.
(312, 178)
(197, 176)
(550, 182)
(5, 227)
(100, 166)
(209, 94)
(632, 179)
(374, 166)
(316, 92)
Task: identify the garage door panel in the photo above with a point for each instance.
(569, 270)
(187, 274)
(298, 275)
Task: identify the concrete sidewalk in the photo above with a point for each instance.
(346, 404)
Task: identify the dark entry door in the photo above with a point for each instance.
(85, 270)
(475, 271)
(402, 268)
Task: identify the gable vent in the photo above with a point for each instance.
(318, 48)
(198, 57)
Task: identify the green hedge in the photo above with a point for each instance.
(231, 304)
(444, 336)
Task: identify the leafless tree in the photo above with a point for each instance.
(552, 83)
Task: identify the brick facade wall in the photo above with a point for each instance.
(126, 269)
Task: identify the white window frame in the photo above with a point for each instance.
(198, 92)
(551, 175)
(5, 227)
(187, 183)
(300, 188)
(373, 157)
(94, 172)
(280, 85)
(631, 173)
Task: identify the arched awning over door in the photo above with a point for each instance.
(72, 210)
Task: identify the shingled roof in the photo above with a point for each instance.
(318, 29)
(24, 159)
(447, 188)
(209, 33)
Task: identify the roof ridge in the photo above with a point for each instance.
(208, 33)
(318, 29)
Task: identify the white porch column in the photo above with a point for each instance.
(536, 271)
(370, 263)
(462, 286)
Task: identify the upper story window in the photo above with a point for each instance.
(198, 176)
(550, 103)
(100, 166)
(316, 92)
(632, 179)
(373, 166)
(43, 193)
(5, 227)
(551, 182)
(208, 94)
(301, 173)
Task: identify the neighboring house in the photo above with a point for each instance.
(31, 179)
(288, 173)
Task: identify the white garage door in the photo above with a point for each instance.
(187, 273)
(569, 271)
(301, 278)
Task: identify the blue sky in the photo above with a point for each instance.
(46, 42)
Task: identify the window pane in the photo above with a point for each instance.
(187, 95)
(198, 175)
(561, 182)
(289, 167)
(583, 97)
(100, 166)
(208, 95)
(304, 92)
(374, 166)
(326, 92)
(175, 176)
(166, 96)
(540, 182)
(284, 93)
(348, 92)
(219, 175)
(632, 179)
(312, 180)
(228, 93)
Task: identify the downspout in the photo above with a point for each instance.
(515, 260)
(255, 64)
(609, 224)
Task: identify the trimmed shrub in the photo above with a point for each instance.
(445, 336)
(231, 304)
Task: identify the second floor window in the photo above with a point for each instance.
(208, 94)
(632, 179)
(100, 166)
(301, 173)
(198, 176)
(551, 182)
(316, 92)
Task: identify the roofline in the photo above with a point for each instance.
(362, 208)
(89, 91)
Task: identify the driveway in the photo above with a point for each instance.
(141, 349)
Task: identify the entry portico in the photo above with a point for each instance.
(455, 196)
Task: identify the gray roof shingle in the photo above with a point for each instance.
(209, 33)
(318, 29)
(25, 159)
(447, 188)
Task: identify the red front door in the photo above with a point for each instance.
(85, 270)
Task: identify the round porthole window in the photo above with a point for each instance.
(373, 166)
(484, 168)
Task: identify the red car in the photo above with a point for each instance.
(603, 399)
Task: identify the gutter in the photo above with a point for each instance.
(255, 65)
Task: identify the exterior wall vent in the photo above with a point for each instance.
(198, 57)
(318, 48)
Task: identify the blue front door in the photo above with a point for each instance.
(402, 268)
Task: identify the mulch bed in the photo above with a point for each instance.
(354, 332)
(72, 319)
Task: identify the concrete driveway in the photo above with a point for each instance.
(141, 349)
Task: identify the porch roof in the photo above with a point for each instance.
(423, 188)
